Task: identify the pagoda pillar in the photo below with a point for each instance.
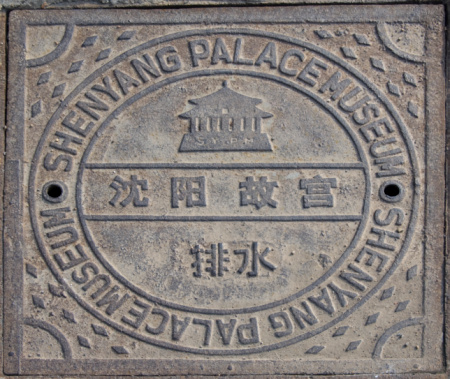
(225, 123)
(248, 123)
(257, 124)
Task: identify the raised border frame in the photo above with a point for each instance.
(14, 199)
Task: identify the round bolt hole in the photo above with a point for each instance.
(392, 190)
(54, 192)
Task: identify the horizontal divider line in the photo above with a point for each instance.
(221, 166)
(221, 218)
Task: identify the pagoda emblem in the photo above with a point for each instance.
(225, 121)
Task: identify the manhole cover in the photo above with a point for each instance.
(220, 192)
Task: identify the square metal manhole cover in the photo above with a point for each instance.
(224, 191)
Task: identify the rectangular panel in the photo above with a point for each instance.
(260, 193)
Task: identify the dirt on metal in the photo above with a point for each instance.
(225, 192)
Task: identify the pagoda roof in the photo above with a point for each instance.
(226, 98)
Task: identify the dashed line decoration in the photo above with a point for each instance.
(44, 78)
(56, 291)
(361, 39)
(402, 306)
(100, 330)
(323, 34)
(84, 342)
(353, 345)
(412, 272)
(348, 53)
(58, 90)
(413, 109)
(103, 54)
(36, 108)
(377, 64)
(90, 41)
(315, 350)
(119, 350)
(372, 319)
(69, 316)
(387, 293)
(340, 332)
(75, 67)
(126, 35)
(38, 302)
(393, 89)
(409, 79)
(31, 270)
